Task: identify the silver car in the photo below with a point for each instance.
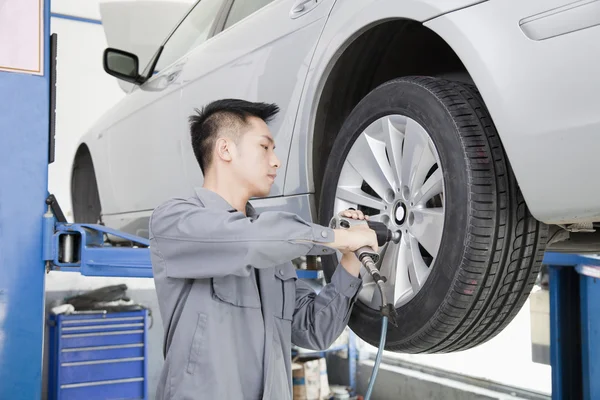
(472, 127)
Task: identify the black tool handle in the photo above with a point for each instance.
(384, 235)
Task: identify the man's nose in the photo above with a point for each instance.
(275, 161)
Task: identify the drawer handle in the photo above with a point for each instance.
(98, 383)
(113, 360)
(94, 348)
(74, 335)
(90, 327)
(100, 320)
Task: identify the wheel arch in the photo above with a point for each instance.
(83, 150)
(380, 51)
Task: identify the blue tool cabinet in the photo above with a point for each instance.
(98, 355)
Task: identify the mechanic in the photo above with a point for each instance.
(229, 297)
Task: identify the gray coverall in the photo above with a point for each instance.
(230, 300)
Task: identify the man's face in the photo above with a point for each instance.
(255, 161)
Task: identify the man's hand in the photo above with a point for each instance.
(354, 238)
(354, 214)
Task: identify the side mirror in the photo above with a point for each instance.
(122, 65)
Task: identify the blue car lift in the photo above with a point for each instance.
(574, 325)
(35, 237)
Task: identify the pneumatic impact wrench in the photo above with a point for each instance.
(369, 258)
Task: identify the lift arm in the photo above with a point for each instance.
(82, 248)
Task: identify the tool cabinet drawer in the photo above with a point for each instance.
(118, 389)
(98, 354)
(93, 353)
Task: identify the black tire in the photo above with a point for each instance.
(491, 248)
(84, 189)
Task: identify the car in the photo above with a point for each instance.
(469, 126)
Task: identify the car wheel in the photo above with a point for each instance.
(422, 155)
(84, 189)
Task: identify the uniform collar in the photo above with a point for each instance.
(211, 199)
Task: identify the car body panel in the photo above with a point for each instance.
(542, 95)
(550, 135)
(269, 63)
(136, 223)
(144, 141)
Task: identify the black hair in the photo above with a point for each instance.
(223, 117)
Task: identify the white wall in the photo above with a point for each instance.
(84, 91)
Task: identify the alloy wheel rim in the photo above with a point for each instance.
(393, 174)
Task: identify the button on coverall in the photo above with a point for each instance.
(230, 300)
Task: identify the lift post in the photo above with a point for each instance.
(25, 129)
(574, 325)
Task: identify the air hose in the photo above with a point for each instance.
(388, 311)
(369, 258)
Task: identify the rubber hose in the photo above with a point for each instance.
(384, 324)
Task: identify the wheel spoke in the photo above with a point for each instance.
(417, 269)
(368, 158)
(393, 143)
(389, 257)
(357, 197)
(427, 228)
(369, 294)
(417, 157)
(432, 187)
(379, 218)
(402, 286)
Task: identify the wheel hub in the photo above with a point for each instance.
(393, 174)
(399, 213)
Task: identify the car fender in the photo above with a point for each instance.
(347, 20)
(533, 65)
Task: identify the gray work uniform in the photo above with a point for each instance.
(230, 300)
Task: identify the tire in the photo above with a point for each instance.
(84, 189)
(491, 248)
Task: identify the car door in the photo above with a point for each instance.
(144, 155)
(262, 54)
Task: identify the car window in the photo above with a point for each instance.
(242, 8)
(192, 31)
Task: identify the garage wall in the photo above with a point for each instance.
(84, 92)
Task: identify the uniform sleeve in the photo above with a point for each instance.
(320, 319)
(194, 242)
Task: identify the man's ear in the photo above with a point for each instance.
(223, 147)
